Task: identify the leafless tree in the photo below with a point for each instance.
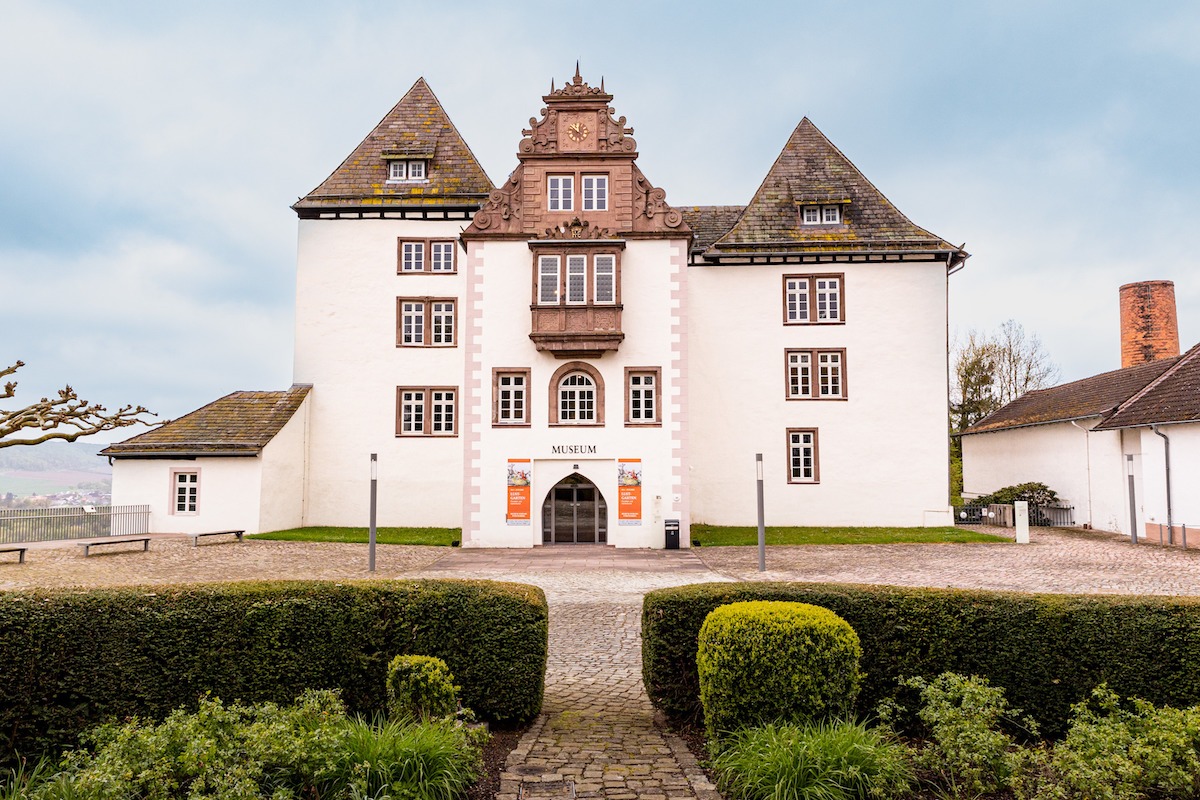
(64, 417)
(1022, 364)
(991, 370)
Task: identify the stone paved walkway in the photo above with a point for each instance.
(597, 735)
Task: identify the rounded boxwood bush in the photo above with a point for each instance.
(763, 661)
(420, 687)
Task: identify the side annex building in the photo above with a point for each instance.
(566, 357)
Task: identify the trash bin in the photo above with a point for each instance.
(672, 534)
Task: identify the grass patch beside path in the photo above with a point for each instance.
(729, 535)
(438, 537)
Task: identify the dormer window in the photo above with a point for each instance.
(406, 171)
(821, 215)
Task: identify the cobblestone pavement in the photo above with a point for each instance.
(173, 559)
(1053, 561)
(597, 734)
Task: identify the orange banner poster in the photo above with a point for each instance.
(518, 491)
(629, 491)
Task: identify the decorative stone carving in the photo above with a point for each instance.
(501, 213)
(577, 229)
(541, 137)
(650, 205)
(617, 140)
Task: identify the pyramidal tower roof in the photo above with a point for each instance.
(812, 171)
(417, 128)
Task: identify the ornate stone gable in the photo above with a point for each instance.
(578, 159)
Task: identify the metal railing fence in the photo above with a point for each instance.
(71, 522)
(1001, 514)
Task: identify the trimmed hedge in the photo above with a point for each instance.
(72, 659)
(764, 662)
(1047, 651)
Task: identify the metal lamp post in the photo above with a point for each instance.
(762, 530)
(374, 486)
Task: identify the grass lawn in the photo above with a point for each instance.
(441, 537)
(726, 535)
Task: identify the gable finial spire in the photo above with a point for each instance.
(578, 77)
(601, 84)
(552, 86)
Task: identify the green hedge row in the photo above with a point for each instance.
(1047, 651)
(74, 658)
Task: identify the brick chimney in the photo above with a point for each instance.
(1149, 328)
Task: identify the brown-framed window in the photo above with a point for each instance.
(815, 374)
(577, 279)
(510, 397)
(415, 256)
(576, 395)
(560, 192)
(185, 492)
(426, 411)
(814, 299)
(643, 396)
(426, 322)
(803, 464)
(595, 192)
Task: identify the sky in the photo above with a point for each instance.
(150, 152)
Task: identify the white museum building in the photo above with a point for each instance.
(567, 358)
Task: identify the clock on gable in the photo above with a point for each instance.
(577, 132)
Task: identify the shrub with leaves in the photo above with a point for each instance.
(820, 761)
(237, 752)
(420, 687)
(762, 662)
(967, 752)
(1124, 751)
(1033, 492)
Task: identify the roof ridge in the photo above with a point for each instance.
(1180, 361)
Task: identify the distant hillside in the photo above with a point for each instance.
(54, 457)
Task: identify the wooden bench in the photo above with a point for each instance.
(20, 551)
(196, 536)
(145, 540)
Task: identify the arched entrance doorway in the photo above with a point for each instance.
(574, 512)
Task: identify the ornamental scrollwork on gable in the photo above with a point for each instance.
(617, 138)
(501, 212)
(650, 205)
(541, 136)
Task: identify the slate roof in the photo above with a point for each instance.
(241, 423)
(811, 170)
(417, 127)
(1172, 397)
(1096, 396)
(709, 223)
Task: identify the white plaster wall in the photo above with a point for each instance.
(647, 277)
(1185, 479)
(283, 471)
(883, 453)
(346, 290)
(228, 497)
(1085, 467)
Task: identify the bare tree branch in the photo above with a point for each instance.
(10, 388)
(65, 417)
